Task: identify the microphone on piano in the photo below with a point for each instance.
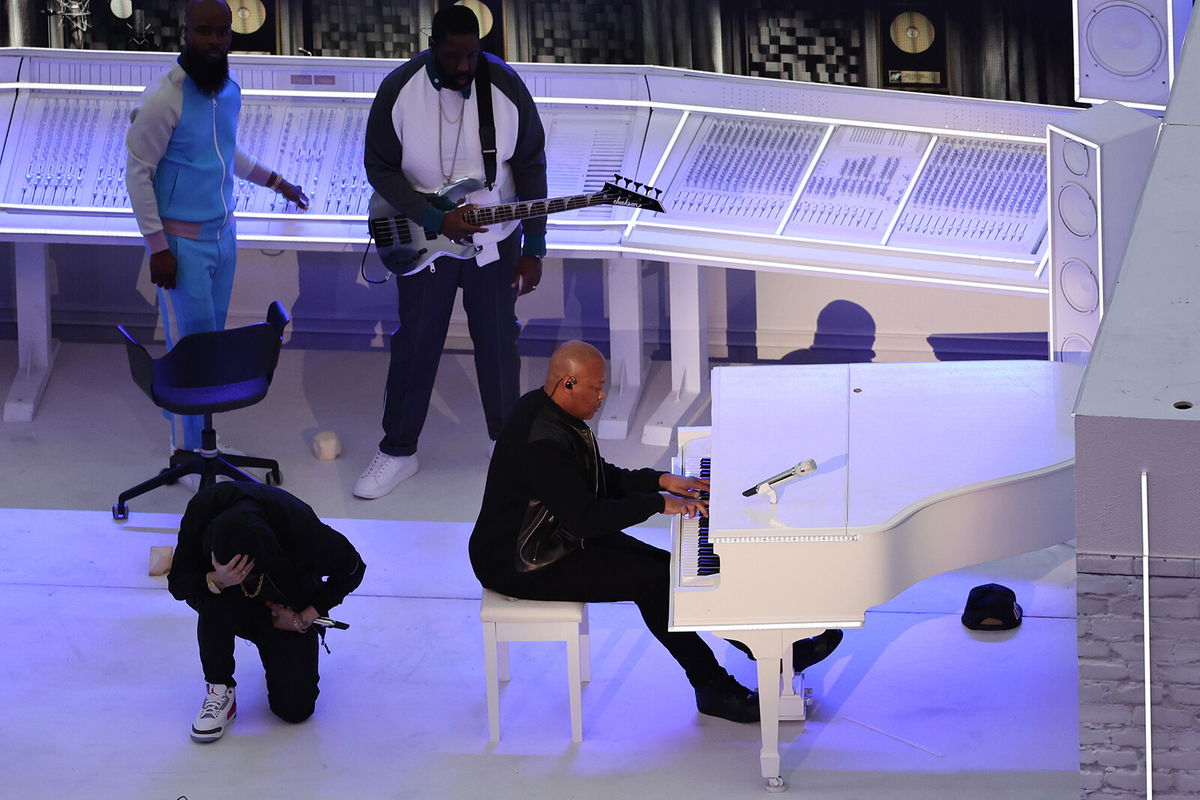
(767, 487)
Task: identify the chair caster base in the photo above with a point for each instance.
(120, 511)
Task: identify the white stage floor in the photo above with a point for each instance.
(101, 678)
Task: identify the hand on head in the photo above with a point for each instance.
(236, 571)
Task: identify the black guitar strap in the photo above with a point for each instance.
(487, 122)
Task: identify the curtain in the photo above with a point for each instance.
(1026, 49)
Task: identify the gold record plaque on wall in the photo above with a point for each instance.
(248, 15)
(913, 45)
(912, 32)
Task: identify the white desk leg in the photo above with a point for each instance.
(689, 354)
(627, 365)
(35, 349)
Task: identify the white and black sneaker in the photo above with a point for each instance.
(218, 710)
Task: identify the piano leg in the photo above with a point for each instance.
(768, 709)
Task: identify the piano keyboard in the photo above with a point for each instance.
(698, 564)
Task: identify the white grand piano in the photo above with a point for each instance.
(921, 469)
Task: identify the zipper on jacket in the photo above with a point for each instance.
(221, 158)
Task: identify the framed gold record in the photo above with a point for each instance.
(912, 32)
(248, 15)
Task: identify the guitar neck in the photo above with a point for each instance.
(506, 212)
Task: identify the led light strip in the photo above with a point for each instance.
(695, 258)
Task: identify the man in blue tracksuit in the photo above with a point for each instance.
(182, 158)
(423, 134)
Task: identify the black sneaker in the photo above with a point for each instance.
(807, 652)
(724, 697)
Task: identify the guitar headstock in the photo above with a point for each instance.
(633, 194)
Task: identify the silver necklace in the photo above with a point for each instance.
(457, 138)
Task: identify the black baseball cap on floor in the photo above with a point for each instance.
(991, 607)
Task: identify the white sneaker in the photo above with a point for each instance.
(383, 474)
(218, 710)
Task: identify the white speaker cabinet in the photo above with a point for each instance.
(1098, 162)
(1127, 50)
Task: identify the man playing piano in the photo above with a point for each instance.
(550, 527)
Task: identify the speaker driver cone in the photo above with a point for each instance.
(1077, 210)
(1125, 40)
(1079, 287)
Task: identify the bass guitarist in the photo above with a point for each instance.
(424, 132)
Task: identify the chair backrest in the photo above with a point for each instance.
(234, 355)
(213, 370)
(141, 365)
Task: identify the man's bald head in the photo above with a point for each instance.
(575, 379)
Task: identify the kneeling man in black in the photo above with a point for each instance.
(553, 512)
(257, 563)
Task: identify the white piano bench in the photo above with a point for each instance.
(507, 619)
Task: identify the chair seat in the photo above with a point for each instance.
(506, 619)
(496, 607)
(211, 399)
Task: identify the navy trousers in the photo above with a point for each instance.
(426, 304)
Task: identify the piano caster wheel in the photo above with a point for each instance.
(808, 698)
(776, 784)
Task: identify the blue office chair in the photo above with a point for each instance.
(205, 373)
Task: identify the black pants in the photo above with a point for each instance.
(289, 659)
(613, 568)
(426, 302)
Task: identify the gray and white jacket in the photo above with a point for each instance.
(417, 142)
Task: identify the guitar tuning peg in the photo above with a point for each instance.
(657, 192)
(617, 177)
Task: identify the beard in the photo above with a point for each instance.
(209, 74)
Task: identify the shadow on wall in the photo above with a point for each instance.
(328, 282)
(1019, 345)
(845, 334)
(583, 312)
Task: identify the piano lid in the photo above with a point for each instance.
(886, 438)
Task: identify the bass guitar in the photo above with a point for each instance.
(405, 248)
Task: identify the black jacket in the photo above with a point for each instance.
(312, 565)
(545, 453)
